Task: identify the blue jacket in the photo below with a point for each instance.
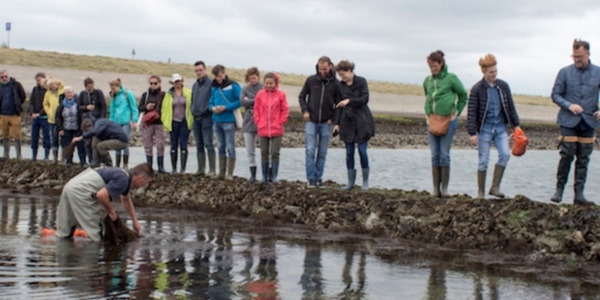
(226, 94)
(123, 107)
(577, 86)
(105, 130)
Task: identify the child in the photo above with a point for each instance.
(270, 114)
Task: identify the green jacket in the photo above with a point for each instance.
(441, 92)
(166, 112)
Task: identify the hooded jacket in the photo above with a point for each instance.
(96, 97)
(441, 92)
(201, 97)
(319, 96)
(51, 100)
(123, 107)
(166, 114)
(225, 94)
(478, 106)
(36, 101)
(271, 111)
(152, 96)
(355, 119)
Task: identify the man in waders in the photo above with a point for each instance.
(576, 93)
(84, 196)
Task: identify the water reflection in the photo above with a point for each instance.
(186, 256)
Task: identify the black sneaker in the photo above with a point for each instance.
(320, 182)
(312, 183)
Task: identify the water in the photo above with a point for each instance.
(532, 175)
(187, 255)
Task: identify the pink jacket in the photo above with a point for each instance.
(271, 111)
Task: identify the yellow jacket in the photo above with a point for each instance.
(51, 101)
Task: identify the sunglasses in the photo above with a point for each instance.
(153, 83)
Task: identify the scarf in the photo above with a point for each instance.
(69, 103)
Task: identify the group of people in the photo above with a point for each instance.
(330, 106)
(491, 114)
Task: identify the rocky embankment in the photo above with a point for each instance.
(534, 231)
(393, 132)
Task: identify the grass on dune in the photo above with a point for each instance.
(22, 57)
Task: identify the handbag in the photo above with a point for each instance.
(521, 142)
(150, 117)
(237, 114)
(438, 124)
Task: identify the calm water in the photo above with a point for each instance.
(532, 175)
(183, 256)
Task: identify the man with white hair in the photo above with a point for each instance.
(12, 96)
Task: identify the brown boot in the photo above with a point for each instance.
(495, 189)
(481, 184)
(222, 166)
(230, 167)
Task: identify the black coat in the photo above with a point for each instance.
(477, 107)
(319, 97)
(97, 99)
(18, 95)
(355, 119)
(59, 121)
(152, 96)
(36, 100)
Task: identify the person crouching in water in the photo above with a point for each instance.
(270, 115)
(86, 195)
(355, 123)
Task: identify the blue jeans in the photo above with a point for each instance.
(66, 140)
(127, 129)
(53, 136)
(362, 152)
(180, 135)
(440, 146)
(203, 135)
(316, 138)
(225, 133)
(36, 125)
(484, 145)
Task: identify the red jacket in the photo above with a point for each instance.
(270, 112)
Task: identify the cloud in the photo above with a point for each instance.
(387, 40)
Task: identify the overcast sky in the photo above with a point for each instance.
(387, 40)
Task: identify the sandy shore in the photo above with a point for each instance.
(380, 103)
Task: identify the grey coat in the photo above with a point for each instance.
(200, 98)
(247, 99)
(577, 86)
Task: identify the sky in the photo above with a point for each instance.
(387, 40)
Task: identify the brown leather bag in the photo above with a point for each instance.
(438, 125)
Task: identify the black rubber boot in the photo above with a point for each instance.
(34, 153)
(435, 175)
(173, 161)
(6, 144)
(252, 174)
(567, 152)
(149, 160)
(581, 167)
(201, 158)
(46, 155)
(211, 164)
(160, 161)
(118, 160)
(18, 149)
(274, 170)
(125, 161)
(184, 156)
(265, 171)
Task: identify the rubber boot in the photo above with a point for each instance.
(160, 161)
(125, 161)
(46, 155)
(274, 171)
(481, 175)
(351, 179)
(34, 153)
(184, 156)
(173, 161)
(106, 160)
(18, 149)
(149, 160)
(445, 179)
(201, 164)
(252, 175)
(55, 155)
(581, 167)
(269, 179)
(211, 164)
(222, 166)
(567, 152)
(6, 144)
(265, 171)
(496, 180)
(435, 175)
(365, 184)
(118, 160)
(230, 167)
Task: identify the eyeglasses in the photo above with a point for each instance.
(578, 56)
(3, 77)
(153, 83)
